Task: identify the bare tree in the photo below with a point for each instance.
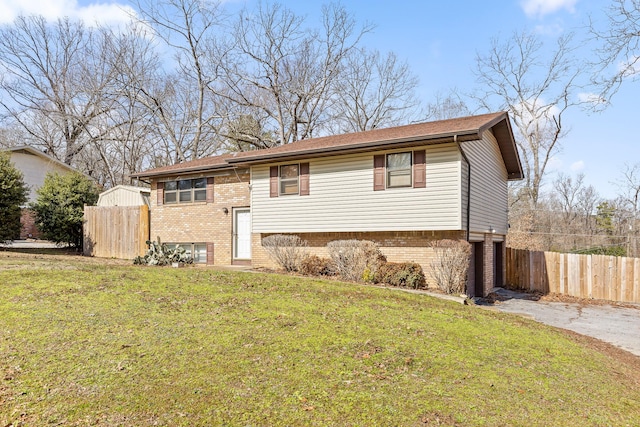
(447, 106)
(374, 91)
(56, 84)
(130, 146)
(575, 205)
(537, 91)
(567, 192)
(180, 100)
(620, 46)
(282, 73)
(629, 205)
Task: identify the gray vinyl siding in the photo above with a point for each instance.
(342, 197)
(488, 185)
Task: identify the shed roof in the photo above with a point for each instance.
(131, 188)
(436, 132)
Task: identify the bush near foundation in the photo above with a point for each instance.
(161, 254)
(450, 264)
(404, 274)
(286, 250)
(313, 265)
(355, 260)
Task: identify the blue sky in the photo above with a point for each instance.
(440, 41)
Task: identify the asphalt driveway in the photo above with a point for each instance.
(616, 325)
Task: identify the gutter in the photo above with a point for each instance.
(179, 171)
(442, 138)
(466, 159)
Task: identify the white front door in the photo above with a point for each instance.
(241, 233)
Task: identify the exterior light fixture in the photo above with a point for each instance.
(225, 210)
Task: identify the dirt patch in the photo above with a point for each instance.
(496, 298)
(586, 301)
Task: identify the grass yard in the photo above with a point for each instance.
(99, 342)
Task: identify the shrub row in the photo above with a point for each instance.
(354, 260)
(362, 261)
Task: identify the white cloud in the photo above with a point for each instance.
(555, 164)
(539, 8)
(577, 166)
(554, 29)
(109, 13)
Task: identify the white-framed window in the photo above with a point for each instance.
(289, 179)
(399, 170)
(199, 253)
(185, 191)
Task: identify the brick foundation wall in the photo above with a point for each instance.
(397, 246)
(29, 229)
(487, 280)
(203, 222)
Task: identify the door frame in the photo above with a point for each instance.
(234, 235)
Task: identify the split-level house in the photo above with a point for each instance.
(401, 187)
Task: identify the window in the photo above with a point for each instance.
(170, 192)
(185, 191)
(196, 250)
(289, 175)
(286, 180)
(200, 253)
(399, 170)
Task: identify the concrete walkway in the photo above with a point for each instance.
(616, 325)
(29, 244)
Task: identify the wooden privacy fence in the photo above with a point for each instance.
(115, 231)
(583, 276)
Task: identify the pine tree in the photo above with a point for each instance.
(59, 207)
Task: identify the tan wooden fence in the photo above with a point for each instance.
(116, 231)
(584, 276)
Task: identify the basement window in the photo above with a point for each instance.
(196, 250)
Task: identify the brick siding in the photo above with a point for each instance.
(29, 229)
(203, 222)
(397, 246)
(487, 252)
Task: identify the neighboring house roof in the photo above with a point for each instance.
(35, 165)
(443, 131)
(35, 152)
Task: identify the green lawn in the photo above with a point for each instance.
(84, 342)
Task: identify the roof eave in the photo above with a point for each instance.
(195, 169)
(501, 128)
(465, 135)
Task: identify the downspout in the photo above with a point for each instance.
(466, 159)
